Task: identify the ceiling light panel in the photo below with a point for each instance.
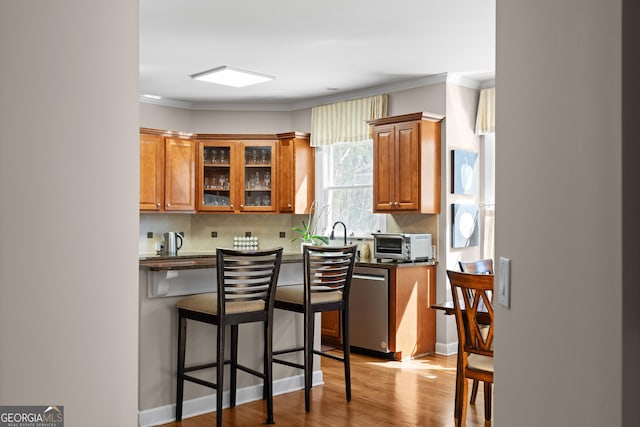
(230, 76)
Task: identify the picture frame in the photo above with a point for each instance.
(465, 174)
(464, 226)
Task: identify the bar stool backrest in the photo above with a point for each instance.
(247, 279)
(328, 269)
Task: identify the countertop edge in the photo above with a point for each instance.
(196, 261)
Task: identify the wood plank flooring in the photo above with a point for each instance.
(384, 393)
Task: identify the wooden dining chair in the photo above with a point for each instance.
(327, 280)
(245, 294)
(480, 266)
(473, 305)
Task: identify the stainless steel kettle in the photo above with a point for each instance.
(171, 244)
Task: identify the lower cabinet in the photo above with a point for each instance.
(330, 329)
(412, 321)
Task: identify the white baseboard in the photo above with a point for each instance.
(447, 349)
(202, 405)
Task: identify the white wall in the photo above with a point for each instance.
(69, 221)
(559, 211)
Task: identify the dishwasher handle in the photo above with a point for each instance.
(369, 277)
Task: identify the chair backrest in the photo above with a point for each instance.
(246, 277)
(328, 269)
(473, 305)
(480, 266)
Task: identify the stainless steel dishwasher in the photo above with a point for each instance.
(369, 310)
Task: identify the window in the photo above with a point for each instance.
(345, 185)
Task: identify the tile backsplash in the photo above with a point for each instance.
(198, 229)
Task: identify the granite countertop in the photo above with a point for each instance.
(193, 260)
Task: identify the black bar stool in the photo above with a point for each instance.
(246, 290)
(327, 279)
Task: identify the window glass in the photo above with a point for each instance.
(345, 185)
(351, 164)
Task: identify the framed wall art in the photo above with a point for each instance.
(464, 172)
(464, 226)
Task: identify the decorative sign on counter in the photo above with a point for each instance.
(242, 243)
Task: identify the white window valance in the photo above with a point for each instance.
(346, 121)
(486, 119)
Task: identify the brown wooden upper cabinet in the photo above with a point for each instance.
(406, 159)
(237, 176)
(296, 173)
(167, 173)
(226, 173)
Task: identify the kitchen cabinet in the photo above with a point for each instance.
(330, 329)
(296, 173)
(151, 172)
(406, 159)
(412, 321)
(236, 176)
(167, 173)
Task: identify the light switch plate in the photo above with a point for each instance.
(504, 282)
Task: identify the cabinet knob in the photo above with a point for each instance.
(168, 205)
(289, 205)
(158, 204)
(231, 205)
(241, 206)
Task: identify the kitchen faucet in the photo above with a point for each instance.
(332, 236)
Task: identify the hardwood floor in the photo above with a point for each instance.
(411, 393)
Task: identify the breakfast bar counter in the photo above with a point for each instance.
(195, 260)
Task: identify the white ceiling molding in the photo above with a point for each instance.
(487, 83)
(166, 102)
(453, 78)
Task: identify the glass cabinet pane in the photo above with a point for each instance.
(258, 175)
(216, 178)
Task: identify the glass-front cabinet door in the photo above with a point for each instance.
(258, 176)
(216, 181)
(236, 176)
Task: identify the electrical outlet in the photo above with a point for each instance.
(504, 282)
(149, 234)
(214, 234)
(247, 234)
(282, 235)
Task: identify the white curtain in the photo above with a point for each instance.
(486, 119)
(346, 121)
(486, 125)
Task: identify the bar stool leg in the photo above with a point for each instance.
(182, 339)
(234, 366)
(220, 374)
(346, 343)
(268, 369)
(308, 358)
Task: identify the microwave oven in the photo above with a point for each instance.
(402, 247)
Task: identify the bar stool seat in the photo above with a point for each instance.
(295, 294)
(208, 304)
(246, 283)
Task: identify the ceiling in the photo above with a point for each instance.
(318, 52)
